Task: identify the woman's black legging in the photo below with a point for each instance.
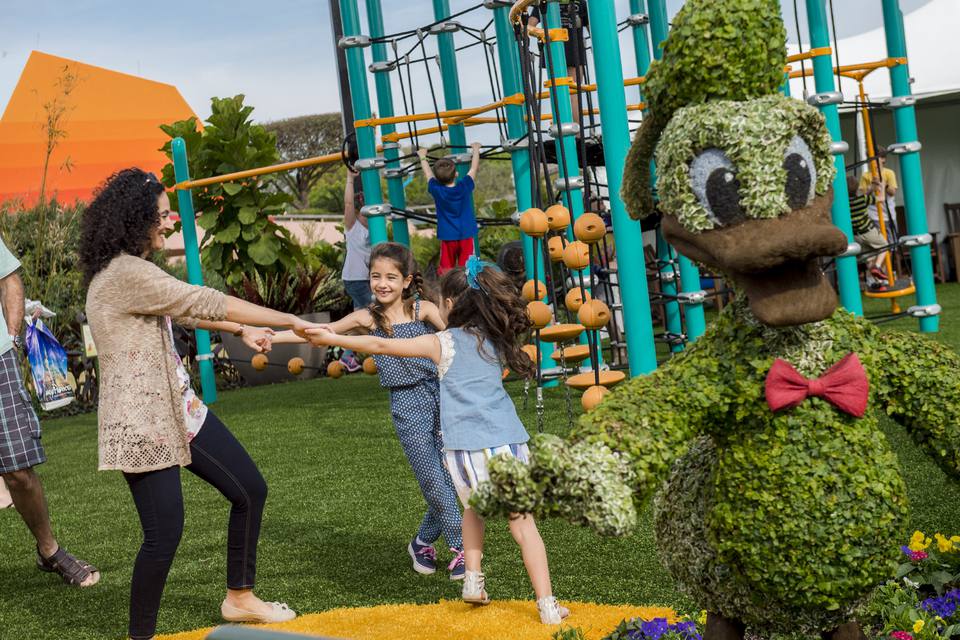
(220, 460)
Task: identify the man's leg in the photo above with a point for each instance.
(465, 250)
(28, 498)
(5, 499)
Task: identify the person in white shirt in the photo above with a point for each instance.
(356, 264)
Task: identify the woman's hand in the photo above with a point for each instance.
(300, 327)
(320, 335)
(260, 339)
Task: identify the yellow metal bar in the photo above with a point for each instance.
(516, 98)
(556, 35)
(849, 69)
(260, 171)
(518, 9)
(812, 53)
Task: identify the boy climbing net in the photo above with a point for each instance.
(456, 220)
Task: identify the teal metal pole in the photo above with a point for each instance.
(509, 58)
(391, 150)
(847, 275)
(908, 149)
(516, 127)
(191, 249)
(631, 268)
(451, 81)
(641, 42)
(451, 93)
(353, 43)
(568, 163)
(689, 274)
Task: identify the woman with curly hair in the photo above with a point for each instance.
(151, 422)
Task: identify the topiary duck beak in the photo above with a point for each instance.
(774, 261)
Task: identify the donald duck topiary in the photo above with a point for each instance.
(780, 503)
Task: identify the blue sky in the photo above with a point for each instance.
(279, 53)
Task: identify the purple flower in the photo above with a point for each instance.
(944, 606)
(653, 629)
(906, 550)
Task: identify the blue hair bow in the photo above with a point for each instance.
(474, 268)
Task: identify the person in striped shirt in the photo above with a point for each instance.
(865, 231)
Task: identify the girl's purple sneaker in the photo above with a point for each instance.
(424, 557)
(456, 567)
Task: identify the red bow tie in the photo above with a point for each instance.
(844, 385)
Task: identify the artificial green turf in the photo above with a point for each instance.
(342, 507)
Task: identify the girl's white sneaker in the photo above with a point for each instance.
(550, 610)
(473, 588)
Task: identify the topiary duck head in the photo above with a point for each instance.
(743, 173)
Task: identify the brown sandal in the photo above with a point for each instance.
(73, 570)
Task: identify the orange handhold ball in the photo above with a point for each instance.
(370, 366)
(558, 217)
(594, 314)
(533, 222)
(555, 248)
(577, 255)
(539, 314)
(335, 369)
(295, 366)
(259, 362)
(590, 228)
(593, 396)
(575, 298)
(534, 290)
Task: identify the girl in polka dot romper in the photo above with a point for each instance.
(399, 311)
(486, 319)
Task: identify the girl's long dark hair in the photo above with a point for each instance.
(497, 313)
(119, 220)
(403, 260)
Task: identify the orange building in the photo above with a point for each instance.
(109, 121)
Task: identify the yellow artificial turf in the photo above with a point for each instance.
(454, 620)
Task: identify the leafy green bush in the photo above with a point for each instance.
(54, 276)
(242, 241)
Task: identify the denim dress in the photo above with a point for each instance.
(415, 407)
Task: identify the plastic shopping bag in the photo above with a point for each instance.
(48, 365)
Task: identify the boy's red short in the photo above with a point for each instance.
(454, 253)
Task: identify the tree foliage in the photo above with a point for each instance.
(306, 137)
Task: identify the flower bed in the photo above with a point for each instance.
(923, 602)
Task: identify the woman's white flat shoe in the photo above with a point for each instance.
(279, 612)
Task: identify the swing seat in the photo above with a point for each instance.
(561, 332)
(572, 355)
(902, 287)
(594, 147)
(589, 378)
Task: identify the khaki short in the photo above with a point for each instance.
(872, 239)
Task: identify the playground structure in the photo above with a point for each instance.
(517, 107)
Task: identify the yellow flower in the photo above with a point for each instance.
(917, 626)
(702, 618)
(943, 544)
(918, 542)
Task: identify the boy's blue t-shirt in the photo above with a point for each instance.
(455, 217)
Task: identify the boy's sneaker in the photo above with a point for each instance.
(473, 588)
(350, 363)
(550, 610)
(424, 557)
(456, 567)
(878, 273)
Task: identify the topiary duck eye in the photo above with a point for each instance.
(713, 179)
(801, 173)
